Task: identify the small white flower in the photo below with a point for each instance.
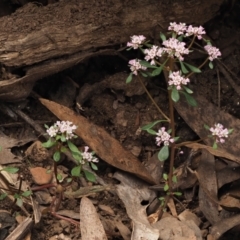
(152, 53)
(179, 28)
(175, 48)
(213, 52)
(64, 127)
(88, 156)
(163, 137)
(175, 79)
(197, 31)
(135, 66)
(220, 132)
(136, 41)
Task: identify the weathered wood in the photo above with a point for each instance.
(39, 39)
(34, 34)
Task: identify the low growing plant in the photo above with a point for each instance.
(169, 57)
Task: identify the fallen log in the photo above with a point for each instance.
(36, 37)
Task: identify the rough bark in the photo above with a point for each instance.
(36, 34)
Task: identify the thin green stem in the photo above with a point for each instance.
(155, 104)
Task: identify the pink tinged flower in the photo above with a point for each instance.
(136, 41)
(52, 131)
(64, 127)
(152, 53)
(220, 132)
(175, 48)
(135, 66)
(213, 52)
(88, 156)
(163, 137)
(179, 28)
(175, 79)
(197, 31)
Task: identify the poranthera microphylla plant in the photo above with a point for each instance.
(168, 57)
(60, 136)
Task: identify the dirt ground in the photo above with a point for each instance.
(120, 110)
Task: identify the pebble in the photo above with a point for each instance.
(40, 175)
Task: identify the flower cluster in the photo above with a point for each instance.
(177, 28)
(175, 48)
(64, 127)
(181, 28)
(213, 52)
(136, 41)
(163, 137)
(219, 132)
(135, 65)
(88, 156)
(197, 31)
(152, 53)
(175, 79)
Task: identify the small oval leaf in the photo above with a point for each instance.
(163, 153)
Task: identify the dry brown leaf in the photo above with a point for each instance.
(207, 113)
(208, 188)
(105, 146)
(91, 226)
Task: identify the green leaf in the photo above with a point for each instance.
(210, 65)
(180, 38)
(58, 137)
(46, 126)
(157, 71)
(177, 193)
(72, 147)
(193, 68)
(150, 131)
(63, 138)
(2, 196)
(10, 169)
(165, 176)
(206, 126)
(174, 178)
(166, 187)
(77, 156)
(183, 68)
(176, 139)
(93, 166)
(76, 171)
(59, 177)
(230, 130)
(56, 156)
(144, 74)
(215, 146)
(89, 176)
(49, 143)
(63, 149)
(191, 101)
(26, 193)
(175, 94)
(188, 90)
(162, 36)
(163, 153)
(150, 125)
(147, 64)
(69, 180)
(129, 78)
(19, 202)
